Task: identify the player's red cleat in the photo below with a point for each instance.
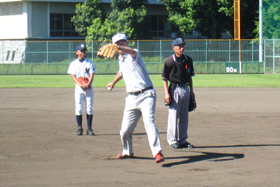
(159, 157)
(121, 156)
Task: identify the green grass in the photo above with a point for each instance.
(200, 80)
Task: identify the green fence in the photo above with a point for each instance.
(112, 68)
(209, 56)
(272, 55)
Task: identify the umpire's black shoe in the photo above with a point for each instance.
(90, 132)
(80, 132)
(186, 145)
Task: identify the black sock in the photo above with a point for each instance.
(89, 120)
(79, 120)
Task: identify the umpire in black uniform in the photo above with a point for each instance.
(178, 70)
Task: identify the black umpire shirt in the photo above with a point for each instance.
(178, 70)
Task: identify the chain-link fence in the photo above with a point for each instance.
(209, 56)
(272, 55)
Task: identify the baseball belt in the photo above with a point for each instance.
(140, 91)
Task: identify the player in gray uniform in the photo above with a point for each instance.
(83, 68)
(141, 99)
(178, 69)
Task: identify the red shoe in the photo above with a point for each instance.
(121, 156)
(159, 157)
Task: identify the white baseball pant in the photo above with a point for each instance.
(84, 97)
(136, 106)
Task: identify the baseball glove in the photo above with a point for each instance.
(192, 104)
(83, 81)
(108, 50)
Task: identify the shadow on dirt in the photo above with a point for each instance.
(228, 146)
(210, 156)
(204, 156)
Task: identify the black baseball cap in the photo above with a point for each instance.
(178, 41)
(81, 47)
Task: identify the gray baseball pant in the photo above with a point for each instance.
(178, 116)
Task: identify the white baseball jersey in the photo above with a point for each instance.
(81, 69)
(134, 72)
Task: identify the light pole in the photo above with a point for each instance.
(260, 32)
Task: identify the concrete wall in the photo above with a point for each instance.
(40, 16)
(13, 20)
(15, 46)
(21, 20)
(40, 19)
(63, 8)
(30, 19)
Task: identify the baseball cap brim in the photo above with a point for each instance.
(179, 43)
(118, 37)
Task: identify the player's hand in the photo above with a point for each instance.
(110, 86)
(87, 85)
(84, 87)
(167, 98)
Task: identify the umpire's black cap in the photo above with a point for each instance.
(81, 47)
(178, 41)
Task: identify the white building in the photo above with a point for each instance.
(51, 19)
(33, 20)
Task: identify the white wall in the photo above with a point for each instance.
(13, 20)
(21, 20)
(13, 27)
(30, 19)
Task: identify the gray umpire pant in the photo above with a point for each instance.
(178, 116)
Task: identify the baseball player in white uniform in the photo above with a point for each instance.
(84, 68)
(141, 99)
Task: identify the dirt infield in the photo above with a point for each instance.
(236, 132)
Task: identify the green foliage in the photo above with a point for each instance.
(127, 16)
(101, 30)
(210, 18)
(130, 16)
(85, 14)
(271, 19)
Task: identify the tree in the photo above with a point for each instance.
(249, 16)
(131, 14)
(127, 16)
(211, 18)
(271, 19)
(86, 13)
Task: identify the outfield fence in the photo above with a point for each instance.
(209, 56)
